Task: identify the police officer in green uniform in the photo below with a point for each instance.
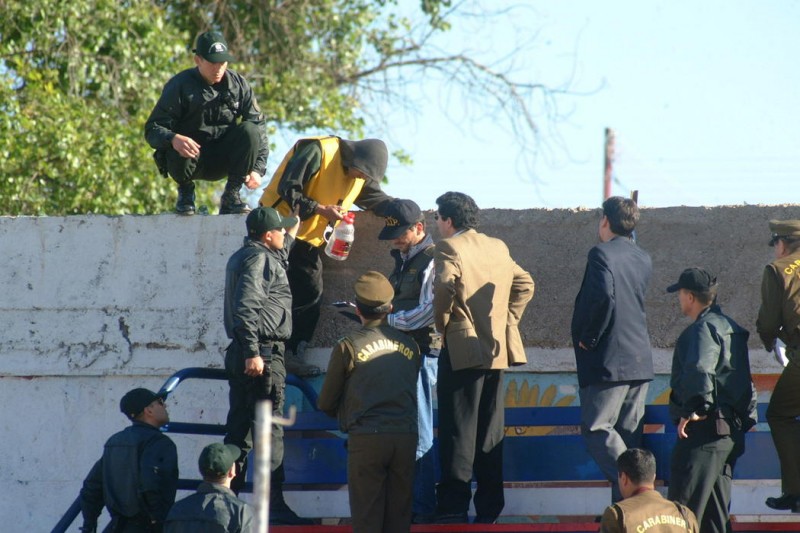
(370, 386)
(643, 508)
(779, 318)
(214, 508)
(713, 402)
(207, 125)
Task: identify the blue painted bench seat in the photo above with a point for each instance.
(315, 452)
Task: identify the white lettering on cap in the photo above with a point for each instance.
(217, 48)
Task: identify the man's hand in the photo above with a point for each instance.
(254, 366)
(694, 417)
(293, 230)
(253, 180)
(331, 212)
(185, 146)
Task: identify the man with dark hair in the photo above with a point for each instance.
(643, 508)
(321, 178)
(257, 313)
(412, 312)
(371, 386)
(712, 401)
(214, 508)
(207, 125)
(611, 341)
(480, 294)
(137, 476)
(779, 319)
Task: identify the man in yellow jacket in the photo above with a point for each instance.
(323, 177)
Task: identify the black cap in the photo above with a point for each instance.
(216, 459)
(694, 279)
(212, 47)
(134, 402)
(399, 216)
(370, 156)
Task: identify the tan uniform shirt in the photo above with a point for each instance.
(779, 315)
(648, 511)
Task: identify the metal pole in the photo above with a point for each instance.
(262, 460)
(609, 163)
(261, 470)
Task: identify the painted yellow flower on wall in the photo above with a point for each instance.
(528, 396)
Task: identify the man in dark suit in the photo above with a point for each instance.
(480, 294)
(611, 341)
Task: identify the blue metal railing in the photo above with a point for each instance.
(191, 428)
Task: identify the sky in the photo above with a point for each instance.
(702, 97)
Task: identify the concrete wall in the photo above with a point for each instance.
(92, 306)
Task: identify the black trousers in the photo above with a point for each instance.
(701, 472)
(305, 282)
(232, 155)
(471, 426)
(244, 392)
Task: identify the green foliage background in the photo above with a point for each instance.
(78, 79)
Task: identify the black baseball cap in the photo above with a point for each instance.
(134, 401)
(212, 47)
(694, 279)
(399, 215)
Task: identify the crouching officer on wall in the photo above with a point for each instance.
(137, 476)
(371, 386)
(207, 125)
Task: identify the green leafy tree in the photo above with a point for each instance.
(78, 79)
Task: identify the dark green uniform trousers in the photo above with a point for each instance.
(380, 475)
(782, 413)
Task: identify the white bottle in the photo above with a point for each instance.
(341, 240)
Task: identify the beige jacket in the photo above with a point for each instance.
(479, 296)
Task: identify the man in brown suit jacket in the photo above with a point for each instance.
(480, 294)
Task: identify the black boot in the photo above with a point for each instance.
(185, 203)
(231, 203)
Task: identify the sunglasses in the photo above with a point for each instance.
(436, 216)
